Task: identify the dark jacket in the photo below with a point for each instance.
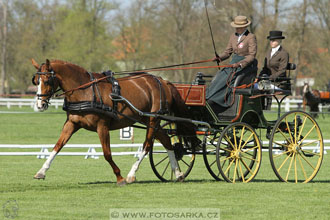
(277, 64)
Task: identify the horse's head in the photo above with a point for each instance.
(305, 88)
(45, 79)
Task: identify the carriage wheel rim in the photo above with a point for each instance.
(299, 164)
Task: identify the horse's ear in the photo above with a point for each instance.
(35, 64)
(47, 64)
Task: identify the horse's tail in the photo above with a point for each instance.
(180, 109)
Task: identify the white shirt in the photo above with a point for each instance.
(240, 36)
(274, 50)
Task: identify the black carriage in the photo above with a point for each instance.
(230, 140)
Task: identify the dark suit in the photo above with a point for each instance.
(277, 64)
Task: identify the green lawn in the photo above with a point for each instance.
(76, 188)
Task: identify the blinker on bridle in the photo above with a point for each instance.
(50, 82)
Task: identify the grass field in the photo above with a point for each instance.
(86, 189)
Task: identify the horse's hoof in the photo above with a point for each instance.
(180, 179)
(39, 176)
(122, 182)
(130, 179)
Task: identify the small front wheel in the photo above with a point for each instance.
(238, 153)
(184, 153)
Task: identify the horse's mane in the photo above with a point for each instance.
(68, 63)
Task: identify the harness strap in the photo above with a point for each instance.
(161, 91)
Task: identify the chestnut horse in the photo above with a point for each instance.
(144, 91)
(311, 99)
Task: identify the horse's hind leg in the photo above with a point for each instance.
(103, 132)
(148, 143)
(68, 130)
(166, 142)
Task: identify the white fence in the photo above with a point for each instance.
(92, 153)
(10, 102)
(287, 104)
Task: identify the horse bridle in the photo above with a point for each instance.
(50, 82)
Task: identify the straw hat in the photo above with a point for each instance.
(240, 21)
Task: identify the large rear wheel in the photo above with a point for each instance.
(296, 147)
(184, 153)
(239, 153)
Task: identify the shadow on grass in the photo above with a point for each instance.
(152, 182)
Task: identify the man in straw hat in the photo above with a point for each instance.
(243, 46)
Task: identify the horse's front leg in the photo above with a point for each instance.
(103, 132)
(68, 129)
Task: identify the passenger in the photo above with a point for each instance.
(276, 60)
(243, 45)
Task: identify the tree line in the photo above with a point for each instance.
(107, 34)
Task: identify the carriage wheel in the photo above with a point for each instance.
(296, 147)
(209, 155)
(184, 154)
(238, 153)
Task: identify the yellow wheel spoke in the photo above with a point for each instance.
(310, 152)
(302, 126)
(309, 143)
(250, 149)
(295, 128)
(235, 141)
(285, 136)
(225, 149)
(246, 166)
(308, 133)
(247, 141)
(295, 168)
(240, 141)
(249, 158)
(227, 158)
(289, 131)
(284, 152)
(240, 168)
(303, 157)
(283, 162)
(231, 163)
(287, 175)
(302, 167)
(283, 145)
(234, 177)
(229, 141)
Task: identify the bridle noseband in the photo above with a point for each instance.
(50, 82)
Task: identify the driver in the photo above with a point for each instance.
(243, 46)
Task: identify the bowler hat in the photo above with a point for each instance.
(240, 21)
(275, 35)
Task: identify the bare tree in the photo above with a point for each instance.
(4, 4)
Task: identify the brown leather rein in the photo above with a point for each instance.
(137, 72)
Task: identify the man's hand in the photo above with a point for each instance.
(216, 59)
(236, 65)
